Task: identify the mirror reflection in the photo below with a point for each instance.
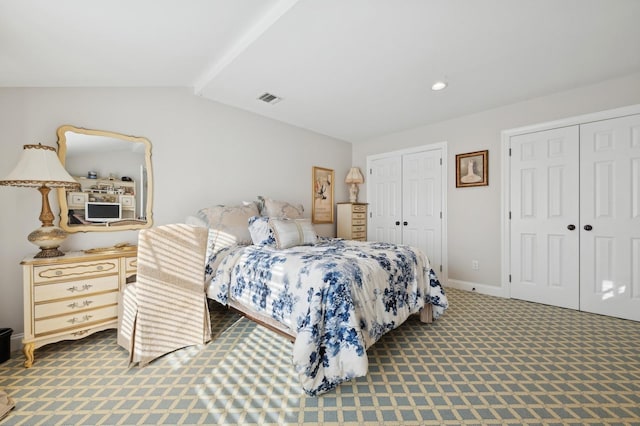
(114, 173)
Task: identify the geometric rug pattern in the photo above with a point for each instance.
(488, 361)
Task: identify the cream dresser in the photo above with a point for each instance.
(352, 221)
(72, 296)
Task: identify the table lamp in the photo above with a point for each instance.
(354, 177)
(39, 167)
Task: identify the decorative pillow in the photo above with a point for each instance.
(230, 222)
(292, 232)
(282, 209)
(261, 232)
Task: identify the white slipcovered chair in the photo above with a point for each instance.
(166, 308)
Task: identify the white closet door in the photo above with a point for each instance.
(544, 217)
(610, 217)
(385, 206)
(422, 203)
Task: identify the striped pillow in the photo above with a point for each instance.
(292, 232)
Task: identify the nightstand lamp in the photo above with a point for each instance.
(40, 168)
(354, 177)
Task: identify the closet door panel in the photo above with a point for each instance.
(610, 217)
(385, 207)
(544, 217)
(422, 203)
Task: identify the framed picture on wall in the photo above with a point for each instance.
(472, 169)
(322, 189)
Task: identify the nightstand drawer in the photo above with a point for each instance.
(77, 320)
(74, 271)
(70, 306)
(352, 221)
(46, 292)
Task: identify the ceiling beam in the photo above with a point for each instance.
(249, 37)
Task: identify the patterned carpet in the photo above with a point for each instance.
(487, 361)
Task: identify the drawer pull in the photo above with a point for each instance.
(80, 333)
(75, 320)
(84, 287)
(84, 304)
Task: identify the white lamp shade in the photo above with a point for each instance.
(354, 176)
(39, 166)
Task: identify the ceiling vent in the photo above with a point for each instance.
(269, 98)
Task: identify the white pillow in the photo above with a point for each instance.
(292, 232)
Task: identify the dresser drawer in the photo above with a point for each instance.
(357, 209)
(358, 216)
(70, 306)
(46, 292)
(359, 228)
(358, 222)
(77, 320)
(74, 271)
(359, 235)
(131, 264)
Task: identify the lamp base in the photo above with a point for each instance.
(52, 252)
(48, 238)
(353, 193)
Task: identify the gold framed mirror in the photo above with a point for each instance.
(115, 177)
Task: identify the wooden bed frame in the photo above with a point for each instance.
(426, 316)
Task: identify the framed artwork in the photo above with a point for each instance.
(472, 169)
(322, 189)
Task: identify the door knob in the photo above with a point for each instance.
(397, 222)
(571, 227)
(405, 223)
(588, 227)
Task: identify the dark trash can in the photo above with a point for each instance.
(5, 344)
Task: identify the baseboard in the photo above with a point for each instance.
(479, 288)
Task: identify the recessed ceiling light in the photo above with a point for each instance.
(439, 85)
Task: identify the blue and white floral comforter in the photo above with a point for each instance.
(338, 297)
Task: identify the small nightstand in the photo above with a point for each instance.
(72, 296)
(352, 221)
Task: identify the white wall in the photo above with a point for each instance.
(203, 153)
(474, 226)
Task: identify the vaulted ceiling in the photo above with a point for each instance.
(351, 69)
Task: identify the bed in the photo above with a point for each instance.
(333, 298)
